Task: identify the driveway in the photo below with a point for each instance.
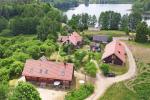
(49, 94)
(102, 83)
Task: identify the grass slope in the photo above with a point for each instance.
(119, 92)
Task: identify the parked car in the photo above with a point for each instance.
(111, 75)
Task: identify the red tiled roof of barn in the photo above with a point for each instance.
(115, 47)
(48, 69)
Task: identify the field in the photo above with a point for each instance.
(137, 88)
(105, 32)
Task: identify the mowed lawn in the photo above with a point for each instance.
(137, 88)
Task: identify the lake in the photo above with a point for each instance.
(96, 9)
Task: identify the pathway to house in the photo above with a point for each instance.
(102, 83)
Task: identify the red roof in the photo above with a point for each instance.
(115, 47)
(74, 38)
(48, 69)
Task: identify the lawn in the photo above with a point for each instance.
(119, 70)
(137, 88)
(119, 92)
(106, 32)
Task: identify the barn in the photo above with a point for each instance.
(114, 53)
(48, 72)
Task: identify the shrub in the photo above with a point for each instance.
(81, 93)
(25, 91)
(105, 69)
(91, 69)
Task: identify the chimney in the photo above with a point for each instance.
(65, 64)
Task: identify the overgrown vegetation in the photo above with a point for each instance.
(25, 91)
(14, 52)
(81, 93)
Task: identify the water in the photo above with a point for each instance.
(96, 9)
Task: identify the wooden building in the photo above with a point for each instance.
(49, 72)
(75, 39)
(114, 53)
(101, 39)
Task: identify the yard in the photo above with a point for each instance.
(137, 88)
(119, 70)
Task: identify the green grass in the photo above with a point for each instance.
(119, 92)
(105, 32)
(119, 70)
(147, 45)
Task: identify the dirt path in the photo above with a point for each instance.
(102, 83)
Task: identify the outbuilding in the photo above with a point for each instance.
(101, 38)
(114, 53)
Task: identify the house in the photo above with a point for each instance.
(74, 39)
(48, 72)
(114, 53)
(101, 38)
(95, 46)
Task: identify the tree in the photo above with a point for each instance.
(109, 20)
(92, 20)
(47, 28)
(124, 26)
(134, 19)
(3, 23)
(20, 25)
(20, 56)
(91, 69)
(34, 51)
(3, 91)
(25, 91)
(141, 32)
(103, 20)
(16, 69)
(105, 68)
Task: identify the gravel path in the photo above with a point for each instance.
(102, 83)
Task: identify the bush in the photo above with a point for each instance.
(105, 69)
(80, 94)
(91, 69)
(6, 32)
(25, 91)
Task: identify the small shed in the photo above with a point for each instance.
(101, 38)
